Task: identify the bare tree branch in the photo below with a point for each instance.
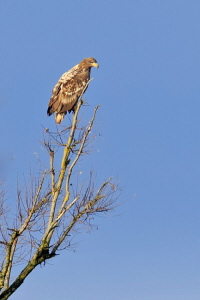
(48, 211)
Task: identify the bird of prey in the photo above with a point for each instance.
(69, 88)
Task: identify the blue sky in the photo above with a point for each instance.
(148, 137)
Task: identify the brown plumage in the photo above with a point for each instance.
(69, 88)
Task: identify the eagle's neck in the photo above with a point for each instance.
(86, 72)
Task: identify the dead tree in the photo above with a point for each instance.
(50, 210)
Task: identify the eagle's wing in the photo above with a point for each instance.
(66, 92)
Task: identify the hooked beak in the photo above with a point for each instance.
(95, 65)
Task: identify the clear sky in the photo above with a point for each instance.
(148, 137)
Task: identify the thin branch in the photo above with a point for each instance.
(69, 173)
(32, 210)
(87, 209)
(52, 170)
(64, 163)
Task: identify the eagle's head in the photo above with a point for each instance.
(88, 63)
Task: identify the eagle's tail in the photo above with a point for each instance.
(59, 117)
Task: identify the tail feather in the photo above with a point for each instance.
(59, 117)
(49, 113)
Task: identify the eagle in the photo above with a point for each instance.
(69, 88)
